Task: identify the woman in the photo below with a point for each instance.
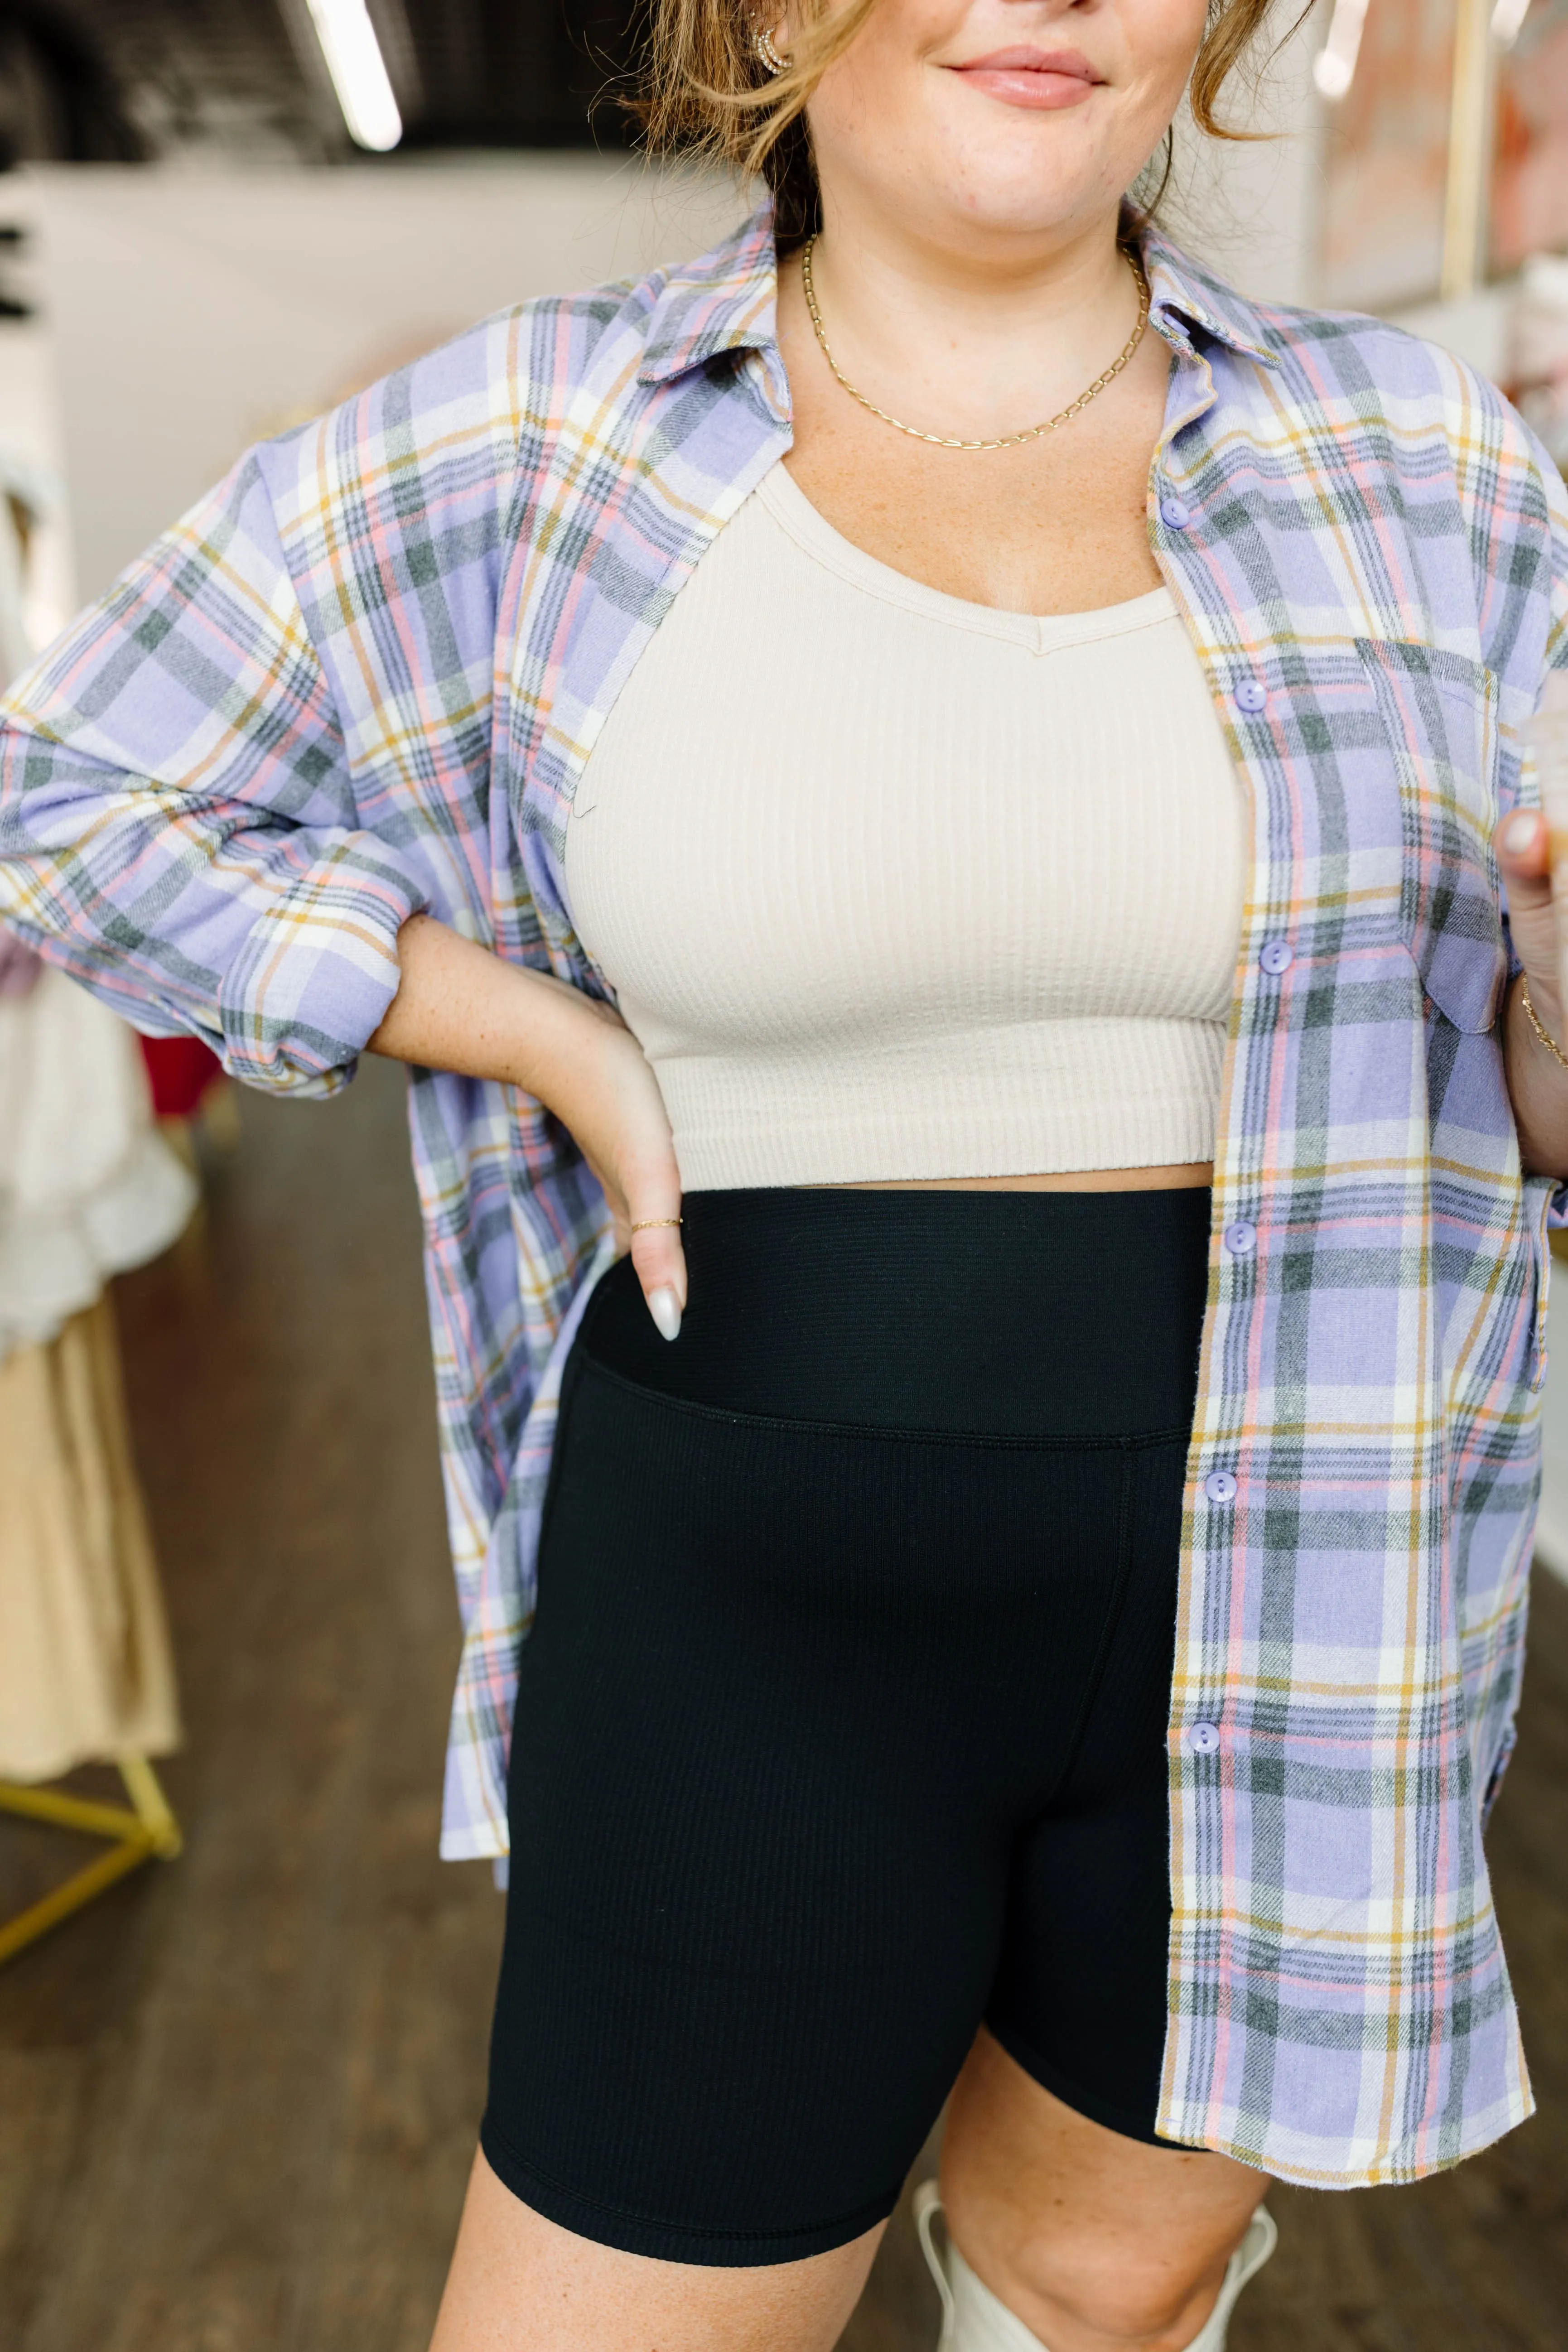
(1031, 1610)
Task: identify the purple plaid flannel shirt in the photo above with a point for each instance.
(364, 677)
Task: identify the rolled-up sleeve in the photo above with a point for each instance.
(178, 823)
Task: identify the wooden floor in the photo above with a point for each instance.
(238, 2100)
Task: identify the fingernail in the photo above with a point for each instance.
(665, 1308)
(1518, 833)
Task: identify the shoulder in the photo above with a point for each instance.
(1411, 409)
(1399, 429)
(1389, 439)
(488, 404)
(1431, 445)
(1412, 406)
(1338, 371)
(470, 412)
(1368, 373)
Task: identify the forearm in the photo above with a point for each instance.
(1537, 1081)
(460, 1007)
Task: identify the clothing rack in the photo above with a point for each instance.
(145, 1831)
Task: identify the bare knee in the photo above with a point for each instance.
(1096, 2242)
(1081, 2285)
(1073, 2299)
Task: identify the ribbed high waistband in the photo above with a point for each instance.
(988, 1314)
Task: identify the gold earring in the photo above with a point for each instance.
(764, 47)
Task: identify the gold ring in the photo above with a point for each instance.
(647, 1224)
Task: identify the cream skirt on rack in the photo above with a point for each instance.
(85, 1664)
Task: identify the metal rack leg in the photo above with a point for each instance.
(144, 1831)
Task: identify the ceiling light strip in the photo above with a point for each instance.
(359, 72)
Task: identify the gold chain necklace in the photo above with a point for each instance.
(1007, 440)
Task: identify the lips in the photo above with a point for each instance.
(1029, 77)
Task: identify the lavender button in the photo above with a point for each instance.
(1175, 512)
(1203, 1738)
(1276, 955)
(1220, 1486)
(1251, 695)
(1241, 1239)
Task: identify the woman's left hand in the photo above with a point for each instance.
(1537, 1078)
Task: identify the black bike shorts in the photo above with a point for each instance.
(841, 1725)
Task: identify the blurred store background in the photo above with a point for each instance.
(242, 2007)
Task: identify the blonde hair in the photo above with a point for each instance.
(707, 93)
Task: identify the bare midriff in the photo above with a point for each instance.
(1193, 1174)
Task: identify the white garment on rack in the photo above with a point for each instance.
(25, 489)
(88, 1186)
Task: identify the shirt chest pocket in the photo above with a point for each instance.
(1439, 712)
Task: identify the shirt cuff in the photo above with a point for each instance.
(316, 971)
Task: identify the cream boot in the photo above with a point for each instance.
(974, 2321)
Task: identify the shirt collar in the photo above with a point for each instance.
(1182, 296)
(727, 302)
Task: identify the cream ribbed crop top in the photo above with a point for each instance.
(890, 885)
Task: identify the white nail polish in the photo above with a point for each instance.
(665, 1308)
(1520, 831)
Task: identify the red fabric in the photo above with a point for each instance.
(180, 1070)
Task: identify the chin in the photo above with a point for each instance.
(1015, 172)
(1025, 194)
